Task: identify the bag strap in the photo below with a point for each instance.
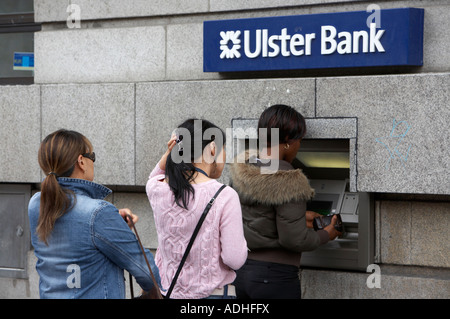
(191, 242)
(158, 293)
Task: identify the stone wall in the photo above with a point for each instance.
(132, 72)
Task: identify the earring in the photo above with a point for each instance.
(286, 147)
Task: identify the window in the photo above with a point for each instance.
(17, 29)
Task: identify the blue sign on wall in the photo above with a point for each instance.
(329, 40)
(23, 61)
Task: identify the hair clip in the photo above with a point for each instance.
(178, 140)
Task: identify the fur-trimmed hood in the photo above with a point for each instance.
(285, 185)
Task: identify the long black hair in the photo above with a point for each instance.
(193, 135)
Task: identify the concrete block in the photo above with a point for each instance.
(51, 10)
(436, 56)
(396, 282)
(19, 133)
(94, 9)
(430, 223)
(185, 53)
(105, 114)
(331, 128)
(138, 203)
(217, 5)
(162, 106)
(395, 232)
(413, 233)
(48, 10)
(402, 136)
(100, 55)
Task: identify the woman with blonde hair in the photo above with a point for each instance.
(82, 242)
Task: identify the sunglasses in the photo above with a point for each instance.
(91, 156)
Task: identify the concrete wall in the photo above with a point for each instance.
(129, 123)
(133, 71)
(161, 43)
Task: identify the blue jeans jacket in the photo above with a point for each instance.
(88, 249)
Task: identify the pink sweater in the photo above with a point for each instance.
(220, 245)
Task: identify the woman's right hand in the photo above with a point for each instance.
(332, 232)
(310, 215)
(170, 145)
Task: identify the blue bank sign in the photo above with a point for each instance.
(330, 40)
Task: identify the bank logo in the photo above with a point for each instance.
(230, 44)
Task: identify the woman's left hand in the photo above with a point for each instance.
(126, 214)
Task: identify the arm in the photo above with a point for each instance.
(112, 236)
(232, 240)
(293, 233)
(332, 232)
(170, 144)
(161, 166)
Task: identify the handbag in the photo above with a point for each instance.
(191, 241)
(154, 293)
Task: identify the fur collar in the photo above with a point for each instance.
(278, 188)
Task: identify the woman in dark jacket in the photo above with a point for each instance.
(274, 210)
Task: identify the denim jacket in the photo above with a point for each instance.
(88, 249)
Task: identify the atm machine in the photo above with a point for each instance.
(325, 160)
(326, 164)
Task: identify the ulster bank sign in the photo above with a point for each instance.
(331, 40)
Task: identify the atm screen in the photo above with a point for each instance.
(320, 206)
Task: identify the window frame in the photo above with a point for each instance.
(18, 23)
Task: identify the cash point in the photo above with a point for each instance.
(326, 159)
(326, 163)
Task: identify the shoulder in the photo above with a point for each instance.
(277, 188)
(92, 209)
(35, 200)
(154, 182)
(226, 192)
(227, 198)
(102, 206)
(34, 205)
(103, 213)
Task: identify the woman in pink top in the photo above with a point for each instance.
(179, 188)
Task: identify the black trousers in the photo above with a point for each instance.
(266, 280)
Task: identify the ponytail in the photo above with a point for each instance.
(57, 156)
(180, 170)
(179, 177)
(55, 201)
